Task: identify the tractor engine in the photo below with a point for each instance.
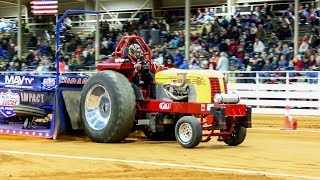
(190, 85)
(178, 92)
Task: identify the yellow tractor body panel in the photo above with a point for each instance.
(200, 79)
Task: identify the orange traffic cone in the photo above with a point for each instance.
(286, 124)
(294, 123)
(287, 119)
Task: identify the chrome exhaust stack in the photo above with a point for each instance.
(176, 85)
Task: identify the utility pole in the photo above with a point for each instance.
(97, 36)
(19, 37)
(187, 29)
(296, 27)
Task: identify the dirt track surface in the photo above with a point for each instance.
(290, 153)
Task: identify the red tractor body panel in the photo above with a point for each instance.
(190, 108)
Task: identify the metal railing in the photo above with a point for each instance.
(269, 92)
(283, 77)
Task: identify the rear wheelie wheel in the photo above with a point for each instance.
(237, 137)
(29, 111)
(107, 107)
(188, 132)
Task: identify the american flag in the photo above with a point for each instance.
(44, 7)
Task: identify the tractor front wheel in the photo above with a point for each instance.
(107, 107)
(188, 132)
(237, 137)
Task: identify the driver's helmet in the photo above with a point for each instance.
(135, 51)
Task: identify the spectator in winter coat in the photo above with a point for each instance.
(291, 66)
(211, 63)
(223, 47)
(283, 64)
(178, 59)
(273, 40)
(260, 32)
(233, 47)
(298, 63)
(223, 63)
(184, 65)
(303, 45)
(169, 64)
(258, 46)
(267, 67)
(310, 61)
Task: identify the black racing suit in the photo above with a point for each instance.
(144, 78)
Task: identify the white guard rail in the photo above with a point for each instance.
(270, 92)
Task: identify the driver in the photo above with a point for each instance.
(143, 76)
(134, 53)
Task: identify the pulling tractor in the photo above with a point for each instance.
(191, 106)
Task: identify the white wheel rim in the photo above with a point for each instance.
(185, 132)
(97, 107)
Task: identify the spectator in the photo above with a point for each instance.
(260, 34)
(178, 59)
(223, 63)
(303, 45)
(184, 65)
(298, 63)
(223, 46)
(209, 15)
(211, 64)
(169, 64)
(283, 64)
(258, 46)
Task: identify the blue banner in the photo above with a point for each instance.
(32, 90)
(38, 83)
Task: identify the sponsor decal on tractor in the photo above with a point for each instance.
(49, 83)
(7, 101)
(165, 106)
(32, 97)
(12, 81)
(73, 80)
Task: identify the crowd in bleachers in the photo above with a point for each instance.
(255, 42)
(260, 41)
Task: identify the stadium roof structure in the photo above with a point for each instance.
(11, 3)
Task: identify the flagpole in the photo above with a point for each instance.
(97, 36)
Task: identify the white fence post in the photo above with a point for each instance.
(287, 83)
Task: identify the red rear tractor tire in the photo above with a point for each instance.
(108, 107)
